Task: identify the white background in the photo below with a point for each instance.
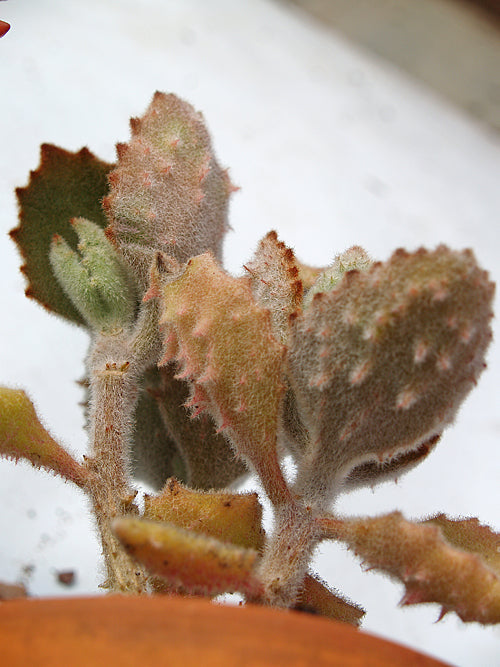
(331, 148)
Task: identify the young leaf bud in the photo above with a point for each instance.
(354, 258)
(94, 278)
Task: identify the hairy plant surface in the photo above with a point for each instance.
(195, 376)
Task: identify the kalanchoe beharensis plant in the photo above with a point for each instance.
(195, 377)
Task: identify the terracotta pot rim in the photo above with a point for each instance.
(130, 630)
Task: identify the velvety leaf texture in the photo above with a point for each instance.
(168, 192)
(65, 185)
(431, 567)
(380, 364)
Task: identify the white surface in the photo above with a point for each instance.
(331, 148)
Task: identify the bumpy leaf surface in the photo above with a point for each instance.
(226, 349)
(65, 185)
(424, 557)
(380, 365)
(168, 192)
(275, 281)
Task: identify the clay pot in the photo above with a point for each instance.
(118, 630)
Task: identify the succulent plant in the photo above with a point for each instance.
(195, 377)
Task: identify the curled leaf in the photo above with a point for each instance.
(95, 278)
(187, 560)
(22, 436)
(471, 536)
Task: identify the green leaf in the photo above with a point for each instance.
(65, 185)
(22, 436)
(155, 456)
(228, 516)
(95, 277)
(203, 459)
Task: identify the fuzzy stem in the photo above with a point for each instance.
(288, 552)
(269, 471)
(113, 394)
(330, 527)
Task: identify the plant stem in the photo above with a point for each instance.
(287, 554)
(113, 388)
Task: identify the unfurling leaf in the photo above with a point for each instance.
(225, 347)
(95, 277)
(22, 436)
(352, 259)
(65, 186)
(229, 517)
(431, 567)
(168, 192)
(380, 365)
(189, 561)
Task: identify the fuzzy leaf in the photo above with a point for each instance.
(316, 598)
(187, 560)
(229, 517)
(431, 568)
(22, 436)
(155, 456)
(380, 365)
(352, 259)
(308, 274)
(226, 349)
(168, 192)
(469, 535)
(371, 473)
(209, 461)
(65, 185)
(275, 282)
(95, 278)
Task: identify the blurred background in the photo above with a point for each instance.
(372, 123)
